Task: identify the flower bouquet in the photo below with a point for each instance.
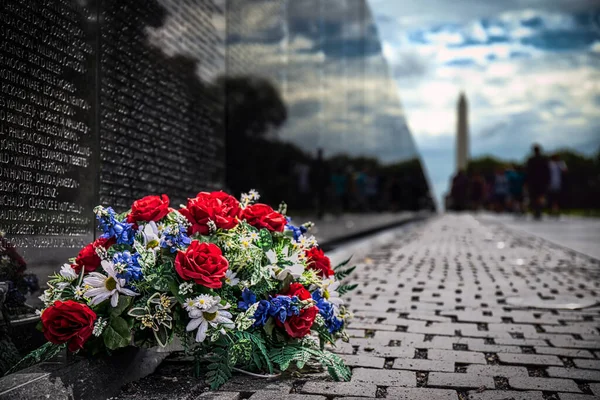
(241, 287)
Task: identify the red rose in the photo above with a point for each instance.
(149, 208)
(68, 321)
(299, 326)
(318, 261)
(203, 263)
(87, 257)
(262, 216)
(218, 207)
(297, 289)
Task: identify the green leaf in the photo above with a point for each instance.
(124, 302)
(162, 284)
(117, 334)
(265, 240)
(139, 248)
(269, 326)
(162, 335)
(219, 373)
(174, 288)
(346, 288)
(259, 344)
(137, 312)
(341, 274)
(340, 265)
(43, 353)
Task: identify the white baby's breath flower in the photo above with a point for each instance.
(67, 272)
(231, 278)
(246, 241)
(46, 297)
(185, 288)
(102, 253)
(79, 292)
(212, 227)
(253, 194)
(99, 326)
(253, 236)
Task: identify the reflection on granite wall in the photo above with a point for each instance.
(103, 101)
(318, 65)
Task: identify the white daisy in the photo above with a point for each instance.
(150, 235)
(231, 278)
(103, 287)
(292, 266)
(272, 258)
(329, 292)
(208, 311)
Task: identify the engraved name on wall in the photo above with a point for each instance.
(46, 157)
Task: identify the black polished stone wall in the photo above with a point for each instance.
(105, 101)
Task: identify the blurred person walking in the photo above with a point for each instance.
(459, 191)
(320, 180)
(500, 190)
(516, 180)
(339, 181)
(557, 169)
(476, 191)
(537, 179)
(372, 190)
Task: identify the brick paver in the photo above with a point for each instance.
(434, 320)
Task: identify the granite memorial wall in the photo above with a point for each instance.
(100, 104)
(104, 101)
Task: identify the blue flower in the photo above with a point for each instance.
(297, 230)
(327, 311)
(106, 219)
(248, 298)
(123, 232)
(284, 306)
(128, 266)
(175, 239)
(261, 315)
(111, 227)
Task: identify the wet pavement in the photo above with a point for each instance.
(456, 308)
(576, 233)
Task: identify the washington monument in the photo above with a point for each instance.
(462, 135)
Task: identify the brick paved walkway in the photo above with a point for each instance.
(433, 320)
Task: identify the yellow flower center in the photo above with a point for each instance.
(326, 294)
(147, 321)
(209, 316)
(165, 301)
(153, 244)
(201, 301)
(110, 283)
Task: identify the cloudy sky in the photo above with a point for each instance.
(530, 70)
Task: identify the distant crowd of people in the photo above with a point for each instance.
(338, 189)
(513, 188)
